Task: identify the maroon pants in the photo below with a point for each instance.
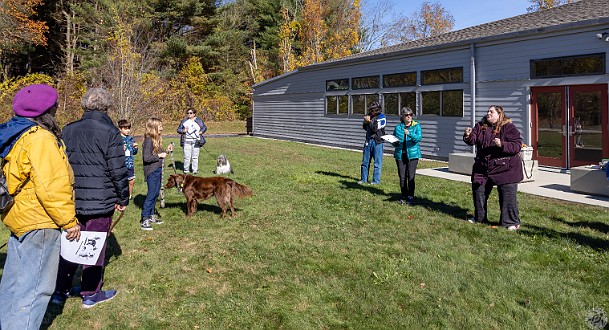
(92, 276)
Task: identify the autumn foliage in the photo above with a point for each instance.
(16, 25)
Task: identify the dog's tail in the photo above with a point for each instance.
(241, 190)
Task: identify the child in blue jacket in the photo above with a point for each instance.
(130, 150)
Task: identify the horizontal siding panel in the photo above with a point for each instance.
(511, 61)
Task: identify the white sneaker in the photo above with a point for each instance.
(513, 228)
(471, 220)
(155, 220)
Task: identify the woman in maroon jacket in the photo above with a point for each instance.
(497, 162)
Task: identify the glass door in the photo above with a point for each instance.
(588, 118)
(570, 125)
(549, 126)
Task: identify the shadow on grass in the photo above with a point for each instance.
(113, 249)
(179, 166)
(366, 187)
(52, 312)
(202, 207)
(584, 240)
(336, 175)
(452, 210)
(598, 226)
(2, 258)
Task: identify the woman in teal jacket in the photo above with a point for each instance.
(407, 153)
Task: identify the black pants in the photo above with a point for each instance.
(407, 169)
(508, 203)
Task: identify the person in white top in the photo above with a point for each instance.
(191, 130)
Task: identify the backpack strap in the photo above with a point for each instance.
(20, 186)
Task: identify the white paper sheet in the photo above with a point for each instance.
(86, 250)
(390, 138)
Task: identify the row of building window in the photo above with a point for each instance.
(440, 103)
(448, 103)
(429, 77)
(589, 64)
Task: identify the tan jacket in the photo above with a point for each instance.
(47, 199)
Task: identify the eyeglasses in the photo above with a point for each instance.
(190, 113)
(408, 114)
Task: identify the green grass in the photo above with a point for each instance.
(312, 249)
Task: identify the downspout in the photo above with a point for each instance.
(472, 54)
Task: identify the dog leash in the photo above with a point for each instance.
(162, 188)
(173, 162)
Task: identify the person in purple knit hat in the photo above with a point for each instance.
(39, 177)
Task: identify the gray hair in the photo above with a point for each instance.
(97, 99)
(407, 110)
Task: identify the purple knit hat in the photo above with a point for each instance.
(34, 100)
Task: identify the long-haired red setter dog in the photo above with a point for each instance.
(199, 189)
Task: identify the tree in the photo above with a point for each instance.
(343, 28)
(17, 29)
(328, 29)
(313, 28)
(287, 38)
(432, 19)
(182, 27)
(537, 5)
(376, 23)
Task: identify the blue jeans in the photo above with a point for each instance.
(374, 149)
(154, 186)
(28, 279)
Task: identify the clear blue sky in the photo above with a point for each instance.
(469, 12)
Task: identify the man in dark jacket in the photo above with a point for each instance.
(374, 124)
(95, 151)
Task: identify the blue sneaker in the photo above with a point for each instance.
(59, 298)
(96, 298)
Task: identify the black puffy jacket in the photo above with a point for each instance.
(95, 150)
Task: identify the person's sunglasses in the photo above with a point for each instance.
(408, 114)
(190, 113)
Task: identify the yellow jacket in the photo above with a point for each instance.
(47, 199)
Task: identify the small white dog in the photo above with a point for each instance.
(223, 166)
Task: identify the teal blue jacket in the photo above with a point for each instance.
(412, 140)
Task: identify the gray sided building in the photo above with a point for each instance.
(547, 69)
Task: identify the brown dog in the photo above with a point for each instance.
(196, 188)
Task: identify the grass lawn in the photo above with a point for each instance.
(312, 249)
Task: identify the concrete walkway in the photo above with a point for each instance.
(549, 182)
